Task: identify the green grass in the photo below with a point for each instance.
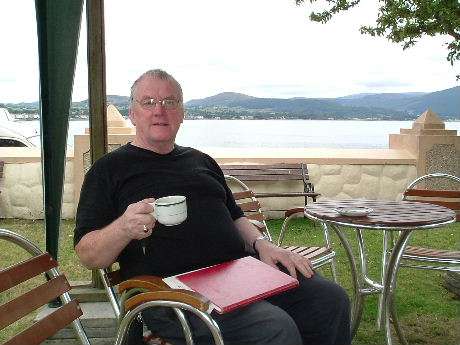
(428, 313)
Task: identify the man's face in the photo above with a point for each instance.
(156, 126)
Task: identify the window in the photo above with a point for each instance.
(7, 142)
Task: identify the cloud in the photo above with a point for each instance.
(264, 48)
(384, 84)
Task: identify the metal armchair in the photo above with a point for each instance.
(56, 286)
(246, 199)
(142, 292)
(426, 189)
(138, 295)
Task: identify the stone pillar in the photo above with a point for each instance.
(435, 148)
(116, 124)
(119, 133)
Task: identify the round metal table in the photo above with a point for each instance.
(387, 216)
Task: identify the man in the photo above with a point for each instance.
(114, 223)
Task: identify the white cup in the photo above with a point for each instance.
(170, 210)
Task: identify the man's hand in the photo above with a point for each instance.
(272, 255)
(137, 221)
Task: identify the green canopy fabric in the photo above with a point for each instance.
(58, 27)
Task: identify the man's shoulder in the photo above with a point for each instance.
(185, 150)
(113, 156)
(190, 151)
(126, 150)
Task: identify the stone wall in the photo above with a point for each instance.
(341, 181)
(22, 191)
(386, 182)
(22, 195)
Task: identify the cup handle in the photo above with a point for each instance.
(155, 214)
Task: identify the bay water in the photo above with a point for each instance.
(279, 133)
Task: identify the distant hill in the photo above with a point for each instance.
(295, 106)
(446, 102)
(222, 99)
(232, 105)
(382, 100)
(112, 99)
(385, 105)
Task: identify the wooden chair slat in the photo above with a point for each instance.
(256, 216)
(299, 250)
(276, 168)
(25, 270)
(286, 194)
(43, 329)
(249, 206)
(265, 172)
(453, 205)
(260, 166)
(247, 194)
(178, 295)
(248, 177)
(319, 252)
(151, 283)
(28, 302)
(438, 253)
(307, 251)
(414, 250)
(433, 193)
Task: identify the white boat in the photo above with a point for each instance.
(16, 134)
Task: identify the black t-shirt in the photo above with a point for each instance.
(130, 174)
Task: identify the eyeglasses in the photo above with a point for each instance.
(151, 103)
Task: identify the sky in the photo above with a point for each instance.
(262, 48)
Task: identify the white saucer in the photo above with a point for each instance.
(354, 211)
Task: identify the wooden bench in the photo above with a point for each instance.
(274, 173)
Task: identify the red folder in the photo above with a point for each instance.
(235, 283)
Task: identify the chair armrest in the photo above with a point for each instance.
(288, 215)
(175, 295)
(293, 211)
(150, 283)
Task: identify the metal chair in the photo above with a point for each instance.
(139, 294)
(429, 258)
(246, 199)
(136, 294)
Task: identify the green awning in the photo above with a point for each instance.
(58, 28)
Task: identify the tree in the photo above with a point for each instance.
(405, 21)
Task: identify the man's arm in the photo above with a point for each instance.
(270, 253)
(101, 247)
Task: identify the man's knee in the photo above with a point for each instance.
(260, 324)
(279, 328)
(340, 297)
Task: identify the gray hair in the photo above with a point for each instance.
(156, 74)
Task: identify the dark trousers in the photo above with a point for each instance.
(315, 313)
